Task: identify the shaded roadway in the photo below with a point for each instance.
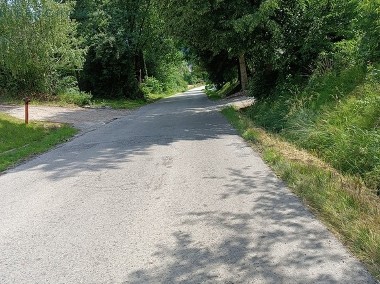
(168, 194)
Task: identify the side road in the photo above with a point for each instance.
(84, 119)
(167, 194)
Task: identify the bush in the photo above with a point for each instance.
(38, 44)
(76, 97)
(369, 25)
(151, 86)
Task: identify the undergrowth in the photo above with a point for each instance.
(336, 116)
(227, 89)
(81, 99)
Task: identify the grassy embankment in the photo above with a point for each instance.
(19, 141)
(323, 139)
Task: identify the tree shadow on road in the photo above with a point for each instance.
(118, 142)
(272, 240)
(276, 241)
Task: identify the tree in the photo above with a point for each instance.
(273, 38)
(212, 26)
(127, 44)
(38, 46)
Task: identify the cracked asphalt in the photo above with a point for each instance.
(167, 194)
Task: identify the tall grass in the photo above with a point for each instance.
(336, 116)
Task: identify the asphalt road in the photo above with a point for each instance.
(168, 194)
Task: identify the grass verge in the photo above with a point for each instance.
(19, 141)
(342, 202)
(132, 104)
(127, 103)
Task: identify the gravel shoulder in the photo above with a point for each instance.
(84, 119)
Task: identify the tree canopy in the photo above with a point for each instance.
(123, 48)
(278, 38)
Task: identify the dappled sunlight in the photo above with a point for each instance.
(277, 241)
(125, 139)
(170, 194)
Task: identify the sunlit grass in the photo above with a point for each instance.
(335, 116)
(19, 141)
(83, 99)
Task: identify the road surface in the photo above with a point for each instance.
(168, 194)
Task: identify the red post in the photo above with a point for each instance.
(26, 100)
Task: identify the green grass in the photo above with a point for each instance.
(118, 103)
(225, 91)
(151, 98)
(19, 141)
(127, 103)
(335, 116)
(82, 99)
(69, 99)
(342, 202)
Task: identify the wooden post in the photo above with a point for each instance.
(26, 100)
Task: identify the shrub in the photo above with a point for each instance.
(369, 25)
(151, 86)
(76, 97)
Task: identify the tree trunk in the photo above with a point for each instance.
(243, 72)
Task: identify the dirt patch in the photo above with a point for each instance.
(85, 119)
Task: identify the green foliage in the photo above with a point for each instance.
(127, 48)
(220, 67)
(38, 45)
(294, 38)
(279, 38)
(369, 25)
(119, 103)
(208, 29)
(151, 86)
(226, 90)
(75, 97)
(334, 115)
(109, 70)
